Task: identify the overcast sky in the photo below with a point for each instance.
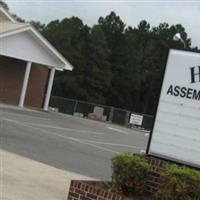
(131, 12)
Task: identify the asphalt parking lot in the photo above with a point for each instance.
(66, 142)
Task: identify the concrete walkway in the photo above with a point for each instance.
(25, 179)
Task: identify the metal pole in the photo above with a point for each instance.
(75, 106)
(127, 118)
(111, 114)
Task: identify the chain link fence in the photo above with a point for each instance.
(107, 113)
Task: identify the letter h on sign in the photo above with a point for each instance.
(195, 74)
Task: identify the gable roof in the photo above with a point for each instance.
(9, 27)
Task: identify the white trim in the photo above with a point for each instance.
(25, 46)
(25, 84)
(67, 66)
(59, 69)
(50, 47)
(7, 14)
(16, 31)
(49, 88)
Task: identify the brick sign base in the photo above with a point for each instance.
(90, 190)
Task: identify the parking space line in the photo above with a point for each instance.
(114, 144)
(118, 130)
(63, 136)
(93, 145)
(64, 128)
(21, 115)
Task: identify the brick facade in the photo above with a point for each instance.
(37, 86)
(11, 80)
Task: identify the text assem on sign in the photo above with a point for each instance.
(176, 132)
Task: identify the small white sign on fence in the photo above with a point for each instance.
(136, 119)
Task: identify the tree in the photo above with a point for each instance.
(98, 74)
(86, 48)
(4, 5)
(113, 64)
(150, 59)
(38, 25)
(69, 37)
(114, 29)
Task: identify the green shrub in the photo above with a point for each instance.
(130, 173)
(179, 183)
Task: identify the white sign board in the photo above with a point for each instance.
(136, 119)
(176, 131)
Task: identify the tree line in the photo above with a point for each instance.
(114, 64)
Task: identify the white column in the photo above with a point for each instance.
(25, 84)
(49, 88)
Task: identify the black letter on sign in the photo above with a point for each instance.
(196, 95)
(170, 90)
(195, 74)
